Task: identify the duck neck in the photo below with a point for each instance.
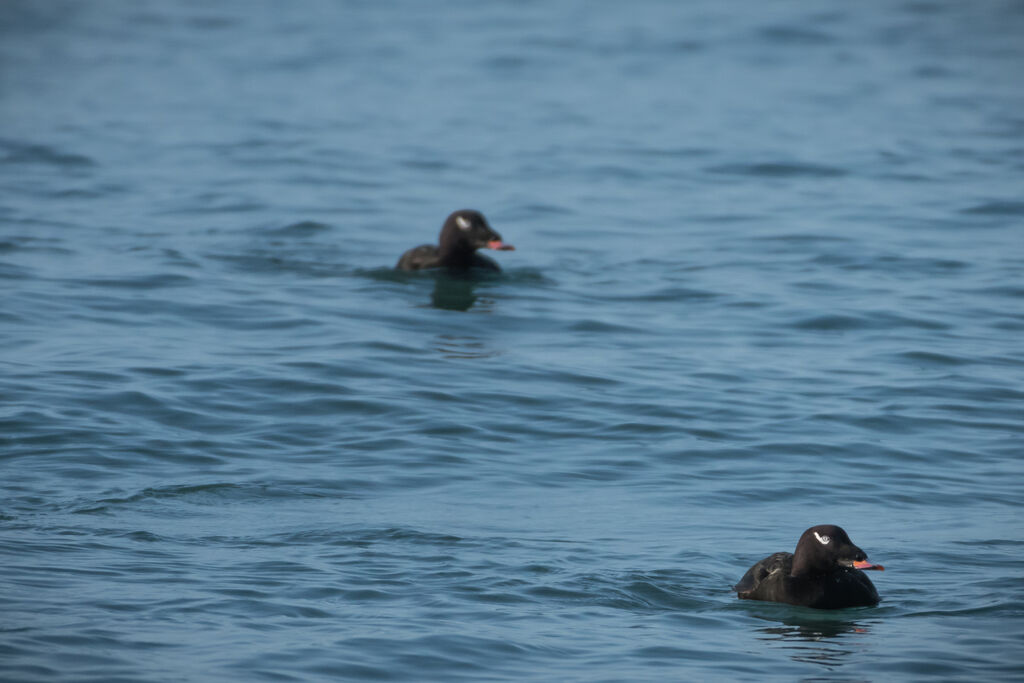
(456, 255)
(801, 567)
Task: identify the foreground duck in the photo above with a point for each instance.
(824, 572)
(462, 234)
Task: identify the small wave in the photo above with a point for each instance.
(542, 209)
(164, 492)
(507, 62)
(26, 243)
(591, 325)
(906, 264)
(300, 229)
(215, 203)
(156, 281)
(801, 238)
(996, 208)
(391, 274)
(673, 293)
(527, 276)
(668, 152)
(452, 346)
(276, 262)
(212, 23)
(361, 538)
(792, 35)
(932, 358)
(159, 410)
(17, 153)
(996, 609)
(430, 165)
(215, 494)
(831, 323)
(1008, 290)
(780, 169)
(9, 271)
(835, 322)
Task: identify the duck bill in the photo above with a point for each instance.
(863, 564)
(500, 246)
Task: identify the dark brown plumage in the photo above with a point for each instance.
(462, 234)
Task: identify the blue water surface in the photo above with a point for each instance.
(769, 274)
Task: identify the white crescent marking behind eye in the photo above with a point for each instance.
(824, 540)
(462, 222)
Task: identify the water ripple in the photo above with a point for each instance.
(767, 275)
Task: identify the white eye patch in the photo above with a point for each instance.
(824, 540)
(462, 222)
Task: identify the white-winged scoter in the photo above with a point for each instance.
(824, 572)
(462, 234)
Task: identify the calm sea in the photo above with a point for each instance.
(769, 274)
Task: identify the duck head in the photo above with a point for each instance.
(826, 548)
(464, 232)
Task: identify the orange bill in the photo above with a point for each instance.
(863, 564)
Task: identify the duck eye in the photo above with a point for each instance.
(823, 539)
(462, 222)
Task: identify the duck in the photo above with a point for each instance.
(826, 571)
(463, 232)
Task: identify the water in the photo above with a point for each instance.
(768, 274)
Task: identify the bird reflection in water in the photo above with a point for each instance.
(453, 346)
(816, 640)
(457, 293)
